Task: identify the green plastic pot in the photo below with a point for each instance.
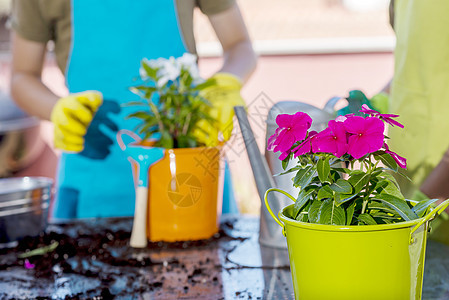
(330, 262)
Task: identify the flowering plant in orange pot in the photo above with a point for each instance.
(184, 176)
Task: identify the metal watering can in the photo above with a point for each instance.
(265, 166)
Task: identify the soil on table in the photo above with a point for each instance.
(99, 252)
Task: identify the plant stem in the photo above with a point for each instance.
(365, 202)
(186, 124)
(157, 115)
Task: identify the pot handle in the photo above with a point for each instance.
(429, 217)
(269, 208)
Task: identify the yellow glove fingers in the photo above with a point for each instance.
(60, 144)
(67, 141)
(206, 133)
(79, 108)
(70, 122)
(226, 121)
(67, 136)
(71, 116)
(224, 94)
(90, 99)
(226, 80)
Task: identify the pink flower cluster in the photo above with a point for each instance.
(350, 134)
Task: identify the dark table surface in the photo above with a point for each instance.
(231, 265)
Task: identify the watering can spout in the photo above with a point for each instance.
(270, 233)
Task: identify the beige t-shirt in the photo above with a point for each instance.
(45, 20)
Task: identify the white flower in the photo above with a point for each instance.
(170, 69)
(188, 61)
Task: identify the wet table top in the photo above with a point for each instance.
(231, 265)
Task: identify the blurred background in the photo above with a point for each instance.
(309, 51)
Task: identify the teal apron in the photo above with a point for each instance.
(109, 39)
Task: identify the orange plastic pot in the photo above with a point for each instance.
(185, 193)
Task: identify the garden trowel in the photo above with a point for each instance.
(143, 157)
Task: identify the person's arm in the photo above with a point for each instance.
(436, 184)
(70, 115)
(27, 87)
(239, 57)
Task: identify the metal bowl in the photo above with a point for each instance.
(20, 140)
(24, 203)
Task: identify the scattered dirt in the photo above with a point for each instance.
(104, 254)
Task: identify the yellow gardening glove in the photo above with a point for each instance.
(224, 94)
(71, 116)
(380, 102)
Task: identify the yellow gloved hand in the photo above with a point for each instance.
(71, 116)
(380, 102)
(224, 94)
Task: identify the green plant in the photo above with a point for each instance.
(344, 172)
(172, 102)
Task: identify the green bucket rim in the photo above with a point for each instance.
(344, 228)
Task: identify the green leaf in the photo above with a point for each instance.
(286, 161)
(141, 115)
(342, 170)
(367, 219)
(166, 141)
(392, 189)
(350, 213)
(323, 169)
(208, 83)
(302, 217)
(342, 198)
(388, 161)
(325, 192)
(359, 181)
(40, 251)
(291, 170)
(288, 211)
(314, 211)
(303, 177)
(330, 213)
(151, 72)
(421, 208)
(389, 177)
(379, 186)
(399, 205)
(375, 205)
(341, 186)
(301, 200)
(135, 103)
(383, 215)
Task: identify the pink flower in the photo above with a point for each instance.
(292, 129)
(367, 135)
(271, 143)
(332, 139)
(306, 146)
(284, 155)
(28, 265)
(386, 117)
(401, 161)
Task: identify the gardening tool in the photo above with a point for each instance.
(143, 157)
(340, 254)
(270, 234)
